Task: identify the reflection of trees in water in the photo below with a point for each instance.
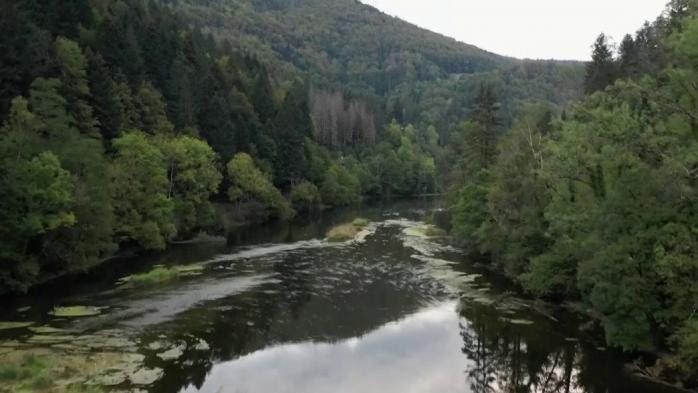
(507, 358)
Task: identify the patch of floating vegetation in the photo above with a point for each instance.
(75, 311)
(28, 373)
(518, 321)
(161, 274)
(173, 353)
(7, 325)
(420, 237)
(50, 338)
(425, 230)
(348, 231)
(60, 363)
(46, 330)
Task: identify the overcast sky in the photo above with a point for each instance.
(541, 29)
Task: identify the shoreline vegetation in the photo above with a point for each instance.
(598, 204)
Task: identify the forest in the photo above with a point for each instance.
(125, 122)
(126, 125)
(597, 203)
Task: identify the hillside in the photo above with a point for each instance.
(396, 66)
(341, 41)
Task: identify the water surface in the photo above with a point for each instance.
(278, 309)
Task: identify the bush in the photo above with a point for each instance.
(305, 197)
(339, 187)
(249, 183)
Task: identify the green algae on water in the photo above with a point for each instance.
(14, 325)
(46, 330)
(161, 274)
(75, 311)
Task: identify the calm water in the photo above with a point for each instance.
(280, 310)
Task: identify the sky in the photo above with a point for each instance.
(537, 29)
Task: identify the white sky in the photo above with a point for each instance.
(539, 29)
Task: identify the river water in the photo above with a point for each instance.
(278, 309)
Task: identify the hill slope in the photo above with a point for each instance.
(340, 40)
(350, 46)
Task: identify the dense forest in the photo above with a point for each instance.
(402, 72)
(122, 121)
(598, 203)
(126, 124)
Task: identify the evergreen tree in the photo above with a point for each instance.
(601, 71)
(629, 58)
(293, 126)
(152, 111)
(76, 90)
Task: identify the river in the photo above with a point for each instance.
(278, 309)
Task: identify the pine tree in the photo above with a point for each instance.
(629, 60)
(485, 131)
(601, 72)
(76, 90)
(293, 125)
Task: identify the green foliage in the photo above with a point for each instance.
(156, 276)
(38, 197)
(31, 371)
(601, 204)
(140, 187)
(601, 71)
(293, 128)
(401, 164)
(517, 195)
(470, 212)
(152, 111)
(305, 197)
(160, 274)
(339, 187)
(248, 183)
(193, 178)
(73, 65)
(687, 344)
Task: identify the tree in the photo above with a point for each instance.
(248, 183)
(517, 197)
(75, 87)
(482, 136)
(305, 197)
(629, 58)
(339, 187)
(601, 71)
(293, 126)
(24, 55)
(152, 111)
(37, 196)
(140, 185)
(193, 178)
(83, 156)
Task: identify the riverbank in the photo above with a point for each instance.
(662, 368)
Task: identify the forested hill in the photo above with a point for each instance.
(402, 71)
(341, 41)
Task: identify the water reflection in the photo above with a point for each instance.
(508, 358)
(543, 357)
(417, 354)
